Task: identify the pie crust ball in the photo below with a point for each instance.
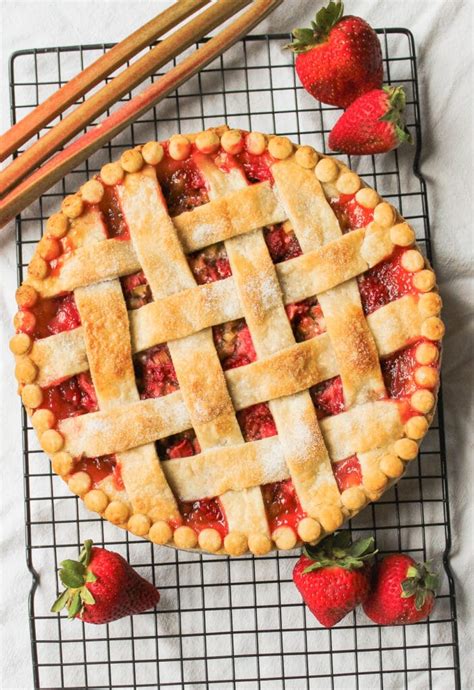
(62, 463)
(131, 160)
(210, 540)
(255, 143)
(92, 191)
(112, 174)
(207, 142)
(139, 524)
(392, 466)
(20, 344)
(80, 483)
(49, 248)
(160, 532)
(353, 498)
(348, 183)
(425, 280)
(32, 395)
(43, 420)
(284, 538)
(232, 141)
(235, 543)
(309, 529)
(306, 157)
(117, 512)
(368, 198)
(51, 441)
(402, 235)
(422, 400)
(326, 170)
(153, 153)
(406, 448)
(57, 225)
(185, 537)
(38, 268)
(384, 214)
(179, 147)
(416, 427)
(96, 500)
(280, 147)
(259, 543)
(72, 206)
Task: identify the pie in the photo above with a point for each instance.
(228, 342)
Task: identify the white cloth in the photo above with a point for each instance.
(443, 34)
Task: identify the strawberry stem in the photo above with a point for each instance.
(326, 18)
(75, 575)
(420, 582)
(339, 550)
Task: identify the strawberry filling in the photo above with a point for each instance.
(203, 514)
(51, 316)
(281, 242)
(99, 468)
(155, 374)
(256, 422)
(210, 264)
(398, 372)
(70, 398)
(385, 282)
(281, 505)
(306, 319)
(115, 223)
(180, 445)
(255, 168)
(328, 397)
(350, 214)
(347, 473)
(182, 184)
(234, 344)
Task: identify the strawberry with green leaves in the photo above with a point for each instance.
(374, 123)
(102, 587)
(338, 58)
(333, 577)
(402, 591)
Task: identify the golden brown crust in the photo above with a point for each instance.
(182, 314)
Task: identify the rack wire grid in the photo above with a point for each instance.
(236, 622)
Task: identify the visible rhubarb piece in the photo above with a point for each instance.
(210, 264)
(282, 242)
(182, 185)
(385, 282)
(72, 397)
(180, 445)
(234, 344)
(136, 290)
(256, 422)
(155, 372)
(347, 473)
(282, 505)
(328, 397)
(115, 223)
(207, 513)
(306, 318)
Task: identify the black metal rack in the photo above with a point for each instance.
(236, 623)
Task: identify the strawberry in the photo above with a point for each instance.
(334, 576)
(372, 124)
(402, 592)
(102, 587)
(338, 58)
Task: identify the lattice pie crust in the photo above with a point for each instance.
(384, 358)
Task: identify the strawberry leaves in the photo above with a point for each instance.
(75, 576)
(326, 18)
(420, 582)
(339, 550)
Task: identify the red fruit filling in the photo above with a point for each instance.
(255, 168)
(398, 372)
(347, 473)
(71, 397)
(51, 316)
(155, 374)
(385, 282)
(234, 344)
(203, 514)
(115, 222)
(306, 319)
(328, 397)
(136, 290)
(181, 184)
(180, 445)
(256, 422)
(210, 264)
(350, 214)
(282, 505)
(99, 468)
(282, 243)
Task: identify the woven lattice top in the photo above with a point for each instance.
(234, 400)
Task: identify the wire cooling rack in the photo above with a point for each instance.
(236, 623)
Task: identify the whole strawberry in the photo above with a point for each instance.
(338, 58)
(102, 587)
(372, 124)
(403, 591)
(334, 576)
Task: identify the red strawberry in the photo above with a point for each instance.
(403, 591)
(372, 124)
(333, 577)
(102, 587)
(338, 58)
